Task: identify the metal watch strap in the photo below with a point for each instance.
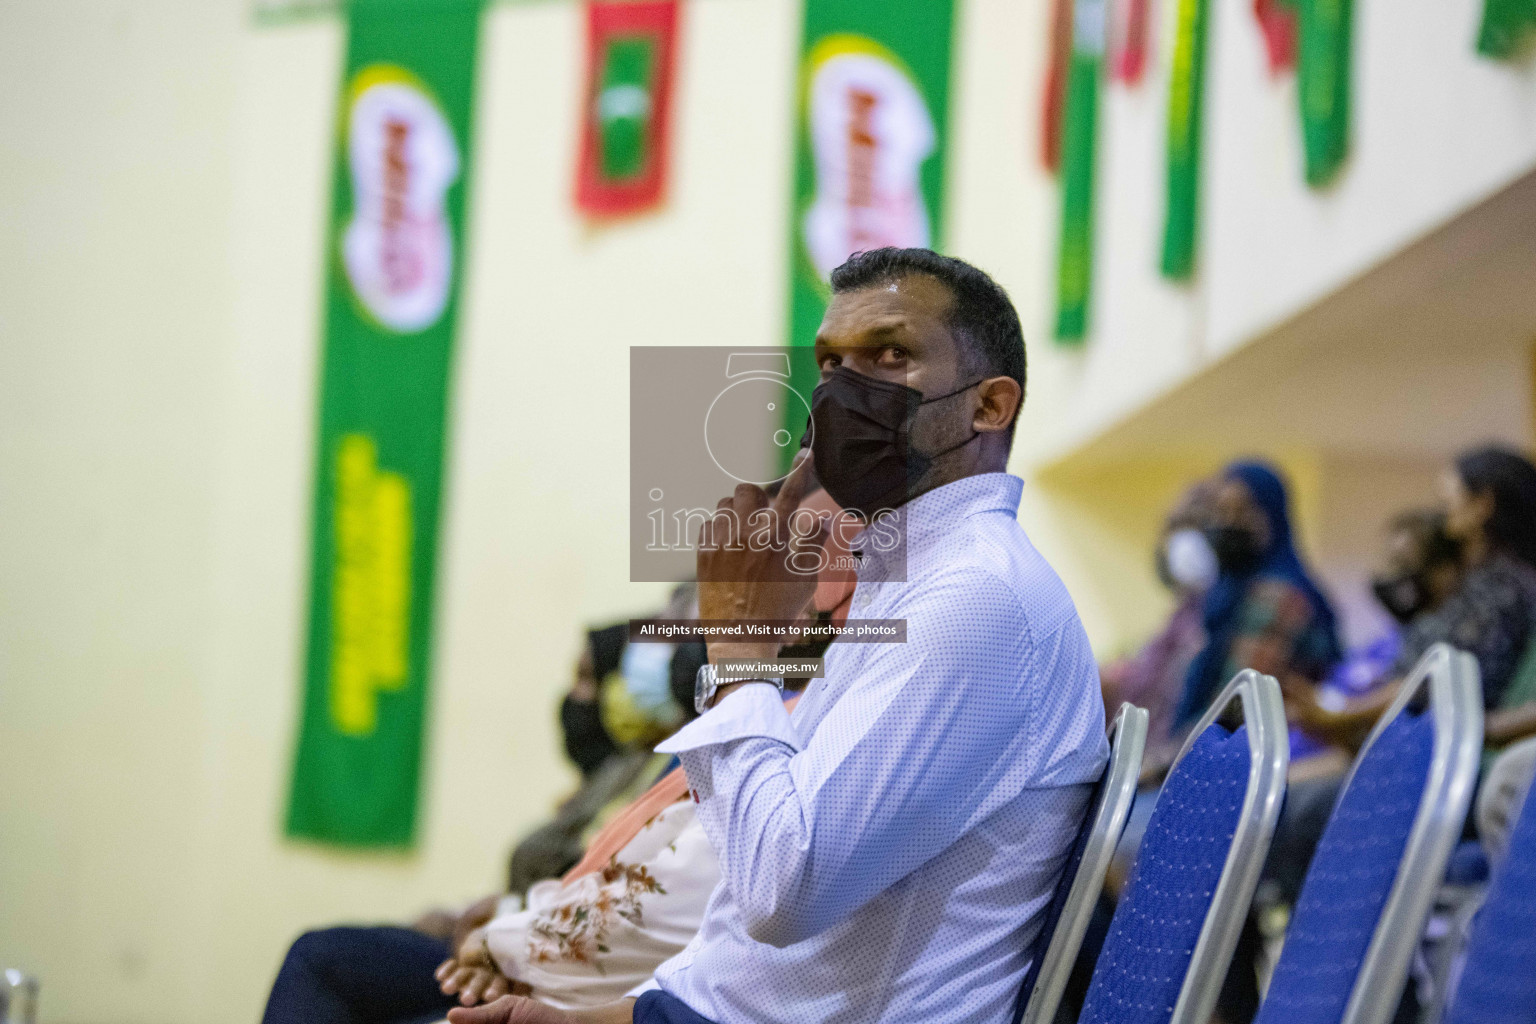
(707, 683)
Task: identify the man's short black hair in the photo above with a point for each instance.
(981, 314)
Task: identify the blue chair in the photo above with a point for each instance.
(1082, 879)
(1498, 984)
(1178, 921)
(1381, 857)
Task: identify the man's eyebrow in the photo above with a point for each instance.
(879, 330)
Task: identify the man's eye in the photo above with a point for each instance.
(893, 354)
(829, 363)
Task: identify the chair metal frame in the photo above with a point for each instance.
(1269, 749)
(1456, 707)
(1128, 743)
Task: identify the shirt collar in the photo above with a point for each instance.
(932, 515)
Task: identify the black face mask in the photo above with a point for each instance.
(587, 743)
(861, 437)
(1237, 549)
(1402, 595)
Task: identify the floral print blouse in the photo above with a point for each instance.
(591, 940)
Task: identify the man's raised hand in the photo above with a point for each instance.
(757, 557)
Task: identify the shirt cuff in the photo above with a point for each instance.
(648, 985)
(756, 709)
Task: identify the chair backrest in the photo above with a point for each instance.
(1498, 984)
(1380, 860)
(1178, 921)
(1082, 879)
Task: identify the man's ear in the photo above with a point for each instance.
(1000, 398)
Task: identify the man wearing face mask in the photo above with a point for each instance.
(887, 852)
(1154, 677)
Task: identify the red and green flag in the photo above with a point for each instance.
(1074, 267)
(394, 258)
(870, 134)
(631, 54)
(1186, 101)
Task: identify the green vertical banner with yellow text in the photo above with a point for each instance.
(394, 263)
(1079, 152)
(870, 136)
(1186, 102)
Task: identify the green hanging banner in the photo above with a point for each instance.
(394, 263)
(1322, 85)
(1074, 267)
(1507, 28)
(869, 142)
(1186, 100)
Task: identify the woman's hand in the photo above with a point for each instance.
(473, 975)
(1302, 708)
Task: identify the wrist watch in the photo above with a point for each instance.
(707, 683)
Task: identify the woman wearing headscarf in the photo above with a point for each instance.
(1264, 612)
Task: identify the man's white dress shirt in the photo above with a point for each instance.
(887, 850)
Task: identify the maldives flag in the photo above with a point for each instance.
(626, 119)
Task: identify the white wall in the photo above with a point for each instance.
(115, 197)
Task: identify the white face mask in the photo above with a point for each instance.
(1191, 562)
(647, 672)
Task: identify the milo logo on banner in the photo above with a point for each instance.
(398, 246)
(870, 131)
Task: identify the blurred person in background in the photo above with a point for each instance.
(1489, 495)
(1264, 611)
(620, 705)
(1420, 569)
(587, 743)
(1153, 678)
(385, 974)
